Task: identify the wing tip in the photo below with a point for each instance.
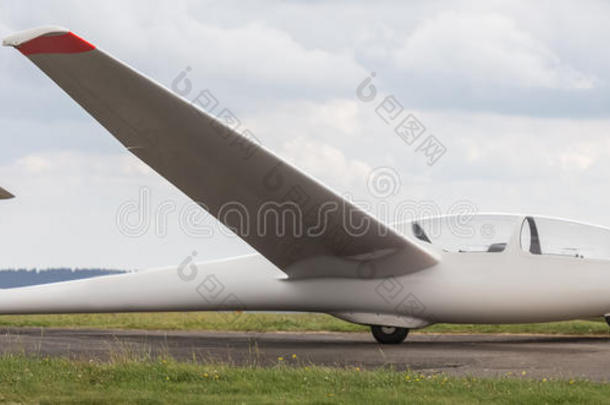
(47, 39)
(21, 37)
(5, 195)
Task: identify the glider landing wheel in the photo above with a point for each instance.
(389, 335)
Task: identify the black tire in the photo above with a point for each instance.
(607, 317)
(389, 335)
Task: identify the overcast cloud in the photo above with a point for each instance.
(516, 91)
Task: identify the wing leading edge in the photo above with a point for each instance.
(241, 183)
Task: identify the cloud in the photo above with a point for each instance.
(73, 163)
(484, 49)
(518, 148)
(320, 159)
(34, 164)
(271, 56)
(66, 213)
(255, 57)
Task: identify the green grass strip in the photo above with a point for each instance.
(236, 321)
(58, 380)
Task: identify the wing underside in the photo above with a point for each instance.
(294, 221)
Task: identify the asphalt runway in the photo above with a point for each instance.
(463, 355)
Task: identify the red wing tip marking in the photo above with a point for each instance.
(48, 40)
(64, 43)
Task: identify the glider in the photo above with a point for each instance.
(317, 252)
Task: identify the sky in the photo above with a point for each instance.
(515, 92)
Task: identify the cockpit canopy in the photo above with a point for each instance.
(548, 236)
(492, 233)
(473, 233)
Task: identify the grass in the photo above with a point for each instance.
(580, 327)
(234, 321)
(58, 380)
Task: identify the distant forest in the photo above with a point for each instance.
(11, 278)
